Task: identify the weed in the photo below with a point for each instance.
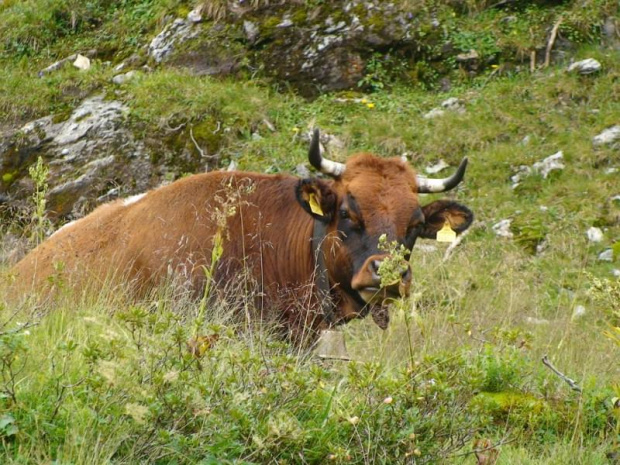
(41, 224)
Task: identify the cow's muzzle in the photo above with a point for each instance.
(367, 281)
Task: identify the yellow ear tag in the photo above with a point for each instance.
(446, 234)
(314, 205)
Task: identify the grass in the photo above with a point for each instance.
(101, 379)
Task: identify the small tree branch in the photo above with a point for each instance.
(202, 152)
(573, 385)
(551, 42)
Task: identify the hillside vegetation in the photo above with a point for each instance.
(457, 377)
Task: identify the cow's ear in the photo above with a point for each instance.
(317, 198)
(437, 213)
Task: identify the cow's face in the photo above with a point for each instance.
(371, 198)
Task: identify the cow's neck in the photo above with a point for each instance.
(321, 276)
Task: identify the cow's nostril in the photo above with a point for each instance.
(374, 268)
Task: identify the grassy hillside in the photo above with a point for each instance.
(98, 379)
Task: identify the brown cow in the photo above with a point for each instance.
(310, 246)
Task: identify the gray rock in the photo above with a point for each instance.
(122, 78)
(606, 255)
(452, 104)
(286, 22)
(437, 167)
(59, 64)
(434, 113)
(177, 32)
(549, 164)
(251, 30)
(588, 66)
(502, 229)
(302, 170)
(608, 137)
(195, 16)
(85, 154)
(470, 56)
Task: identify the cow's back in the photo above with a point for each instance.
(169, 233)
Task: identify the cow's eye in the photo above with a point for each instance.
(344, 214)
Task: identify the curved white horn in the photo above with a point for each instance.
(332, 168)
(428, 186)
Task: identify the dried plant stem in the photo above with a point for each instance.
(551, 42)
(573, 385)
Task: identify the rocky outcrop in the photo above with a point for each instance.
(312, 47)
(92, 157)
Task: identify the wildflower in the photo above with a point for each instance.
(354, 420)
(494, 66)
(295, 129)
(388, 400)
(370, 105)
(364, 100)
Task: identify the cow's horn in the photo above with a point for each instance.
(429, 186)
(324, 165)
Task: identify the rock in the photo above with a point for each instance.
(608, 136)
(472, 55)
(588, 66)
(286, 22)
(502, 229)
(611, 170)
(544, 167)
(177, 32)
(470, 61)
(122, 78)
(59, 64)
(195, 16)
(82, 62)
(437, 167)
(594, 234)
(251, 30)
(302, 170)
(434, 113)
(452, 104)
(522, 172)
(86, 155)
(606, 256)
(551, 163)
(616, 272)
(329, 142)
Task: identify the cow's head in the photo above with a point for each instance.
(369, 197)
